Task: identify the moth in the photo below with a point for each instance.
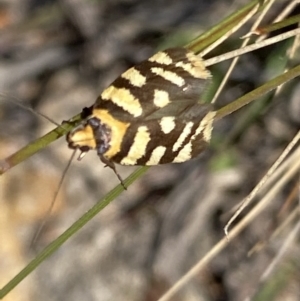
(151, 114)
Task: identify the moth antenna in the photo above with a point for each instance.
(45, 220)
(17, 102)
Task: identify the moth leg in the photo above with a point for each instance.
(86, 112)
(67, 122)
(113, 167)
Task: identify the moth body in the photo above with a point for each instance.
(152, 114)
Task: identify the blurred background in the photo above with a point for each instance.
(57, 56)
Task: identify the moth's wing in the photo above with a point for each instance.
(168, 139)
(186, 112)
(167, 84)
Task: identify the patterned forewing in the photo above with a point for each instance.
(167, 140)
(164, 85)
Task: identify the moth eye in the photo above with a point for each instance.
(103, 138)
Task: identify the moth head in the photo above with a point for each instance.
(91, 134)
